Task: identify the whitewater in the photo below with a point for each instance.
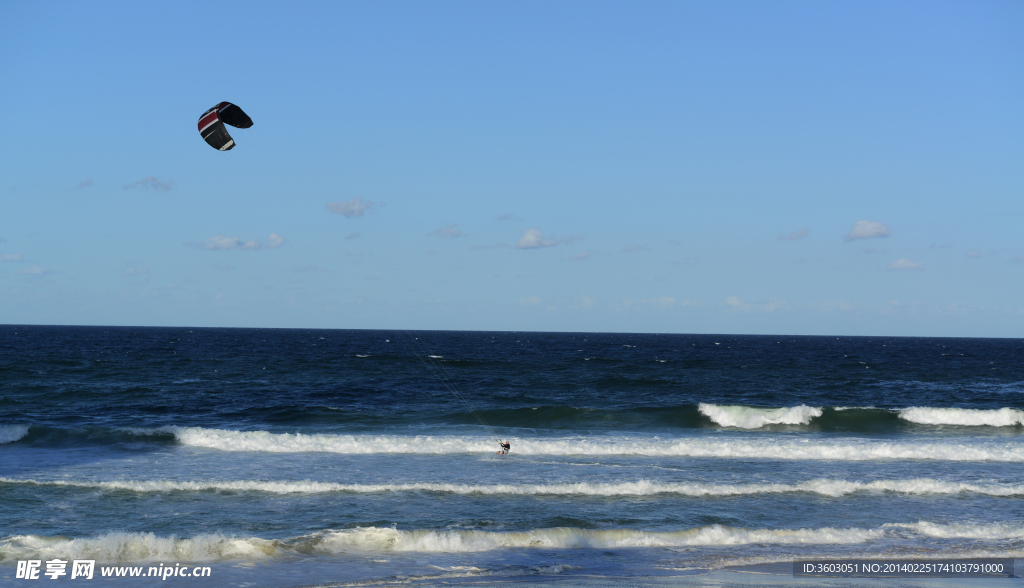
(824, 487)
(845, 449)
(148, 547)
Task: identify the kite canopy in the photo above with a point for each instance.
(211, 125)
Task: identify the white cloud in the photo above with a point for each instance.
(449, 231)
(350, 208)
(224, 243)
(533, 239)
(905, 264)
(580, 256)
(34, 270)
(973, 253)
(220, 243)
(867, 229)
(10, 257)
(584, 302)
(275, 240)
(150, 182)
(85, 183)
(794, 235)
(531, 301)
(737, 304)
(506, 216)
(135, 271)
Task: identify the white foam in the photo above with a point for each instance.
(1003, 417)
(140, 547)
(825, 487)
(351, 444)
(11, 433)
(748, 417)
(966, 531)
(377, 539)
(137, 547)
(786, 448)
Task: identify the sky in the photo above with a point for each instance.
(803, 168)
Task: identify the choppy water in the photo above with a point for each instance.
(297, 457)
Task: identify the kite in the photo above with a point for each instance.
(211, 125)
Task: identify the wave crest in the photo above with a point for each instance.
(384, 539)
(11, 433)
(749, 417)
(137, 547)
(923, 415)
(822, 486)
(787, 448)
(140, 547)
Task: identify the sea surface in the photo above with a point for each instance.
(329, 457)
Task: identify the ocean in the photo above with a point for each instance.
(278, 457)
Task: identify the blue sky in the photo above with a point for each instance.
(848, 168)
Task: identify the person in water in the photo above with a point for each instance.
(505, 447)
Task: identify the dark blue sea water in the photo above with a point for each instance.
(323, 457)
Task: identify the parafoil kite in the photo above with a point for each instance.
(211, 125)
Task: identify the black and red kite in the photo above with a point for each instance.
(211, 125)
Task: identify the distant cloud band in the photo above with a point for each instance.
(350, 208)
(449, 231)
(905, 264)
(534, 239)
(149, 182)
(794, 235)
(223, 242)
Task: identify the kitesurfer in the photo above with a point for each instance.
(505, 447)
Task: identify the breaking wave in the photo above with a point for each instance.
(137, 547)
(11, 433)
(561, 419)
(141, 547)
(824, 487)
(1003, 417)
(748, 417)
(787, 448)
